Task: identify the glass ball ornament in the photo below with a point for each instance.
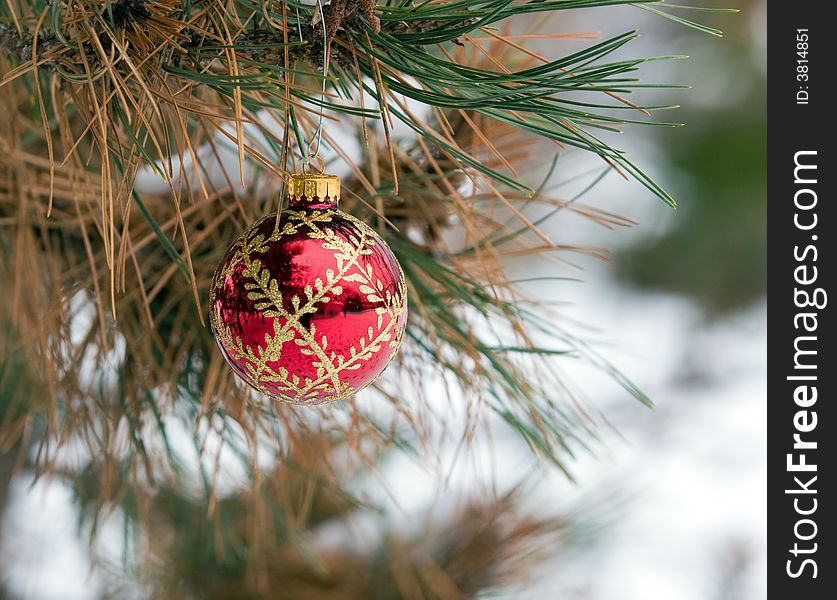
(311, 307)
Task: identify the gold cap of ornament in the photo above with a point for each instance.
(314, 185)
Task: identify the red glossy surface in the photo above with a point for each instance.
(310, 311)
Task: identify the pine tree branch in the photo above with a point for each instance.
(122, 85)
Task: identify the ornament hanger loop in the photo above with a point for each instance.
(314, 145)
(311, 158)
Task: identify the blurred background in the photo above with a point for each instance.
(671, 501)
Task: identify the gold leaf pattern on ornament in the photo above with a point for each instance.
(267, 298)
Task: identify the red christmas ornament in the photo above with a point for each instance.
(311, 309)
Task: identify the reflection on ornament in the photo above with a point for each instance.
(312, 308)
